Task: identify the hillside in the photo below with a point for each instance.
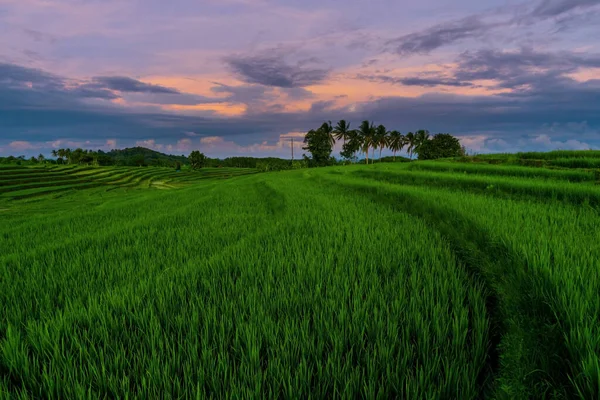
(144, 156)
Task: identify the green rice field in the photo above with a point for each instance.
(420, 280)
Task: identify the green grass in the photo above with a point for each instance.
(502, 170)
(410, 280)
(583, 162)
(560, 154)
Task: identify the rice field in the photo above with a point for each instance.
(433, 280)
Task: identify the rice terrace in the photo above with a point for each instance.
(299, 199)
(459, 278)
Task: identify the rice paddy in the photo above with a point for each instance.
(437, 280)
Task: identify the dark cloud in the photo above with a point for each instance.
(478, 26)
(524, 70)
(125, 84)
(321, 106)
(440, 35)
(554, 8)
(273, 70)
(185, 99)
(29, 87)
(243, 93)
(414, 81)
(11, 74)
(513, 69)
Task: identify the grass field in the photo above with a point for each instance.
(435, 280)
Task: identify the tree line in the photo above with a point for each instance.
(369, 137)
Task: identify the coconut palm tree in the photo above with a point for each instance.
(381, 138)
(68, 155)
(410, 141)
(61, 155)
(328, 129)
(354, 141)
(366, 132)
(421, 136)
(342, 131)
(396, 142)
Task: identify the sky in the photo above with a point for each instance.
(242, 77)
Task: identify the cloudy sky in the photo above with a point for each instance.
(240, 77)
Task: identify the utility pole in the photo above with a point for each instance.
(291, 140)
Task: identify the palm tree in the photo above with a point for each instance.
(420, 138)
(342, 130)
(61, 155)
(381, 138)
(366, 132)
(396, 142)
(328, 129)
(54, 153)
(69, 155)
(410, 141)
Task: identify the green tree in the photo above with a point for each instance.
(342, 131)
(381, 138)
(396, 142)
(318, 144)
(61, 155)
(197, 159)
(68, 155)
(351, 146)
(139, 160)
(410, 142)
(421, 137)
(327, 129)
(366, 132)
(41, 158)
(441, 145)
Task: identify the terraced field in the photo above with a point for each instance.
(433, 280)
(22, 182)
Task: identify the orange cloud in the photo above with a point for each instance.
(225, 109)
(199, 84)
(585, 74)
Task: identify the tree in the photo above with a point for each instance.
(139, 160)
(396, 142)
(69, 155)
(381, 138)
(61, 155)
(366, 133)
(410, 141)
(441, 145)
(351, 146)
(41, 158)
(421, 136)
(327, 129)
(197, 159)
(318, 144)
(77, 155)
(342, 131)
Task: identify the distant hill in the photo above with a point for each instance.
(143, 156)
